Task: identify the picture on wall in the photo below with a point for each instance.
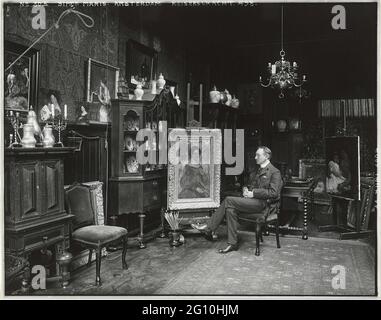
(21, 77)
(140, 64)
(102, 80)
(343, 166)
(194, 183)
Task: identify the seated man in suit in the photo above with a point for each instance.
(259, 199)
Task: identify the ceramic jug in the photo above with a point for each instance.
(49, 140)
(138, 92)
(235, 102)
(228, 98)
(28, 140)
(214, 95)
(32, 119)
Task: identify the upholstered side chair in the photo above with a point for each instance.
(85, 232)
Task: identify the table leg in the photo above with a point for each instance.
(141, 235)
(162, 234)
(305, 218)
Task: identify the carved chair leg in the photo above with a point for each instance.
(124, 263)
(90, 256)
(141, 234)
(277, 234)
(162, 212)
(98, 281)
(261, 236)
(257, 233)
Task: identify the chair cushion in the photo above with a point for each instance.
(98, 235)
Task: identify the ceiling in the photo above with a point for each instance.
(239, 40)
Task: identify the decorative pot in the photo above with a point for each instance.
(160, 82)
(174, 240)
(28, 140)
(138, 92)
(153, 87)
(48, 141)
(223, 97)
(172, 89)
(294, 124)
(281, 124)
(32, 119)
(214, 95)
(228, 98)
(103, 114)
(235, 102)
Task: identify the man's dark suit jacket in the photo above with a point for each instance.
(266, 184)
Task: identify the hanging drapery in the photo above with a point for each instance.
(354, 108)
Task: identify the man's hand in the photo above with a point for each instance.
(199, 190)
(246, 193)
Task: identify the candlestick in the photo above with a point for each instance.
(59, 126)
(273, 69)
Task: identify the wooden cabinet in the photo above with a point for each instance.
(34, 199)
(135, 187)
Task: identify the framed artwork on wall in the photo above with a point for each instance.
(21, 80)
(194, 185)
(102, 81)
(141, 64)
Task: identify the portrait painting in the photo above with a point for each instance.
(21, 77)
(194, 157)
(102, 80)
(343, 166)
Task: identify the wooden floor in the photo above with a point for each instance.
(152, 268)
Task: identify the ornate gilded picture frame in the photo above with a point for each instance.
(194, 184)
(22, 78)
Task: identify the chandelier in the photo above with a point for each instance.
(283, 75)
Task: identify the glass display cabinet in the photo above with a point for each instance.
(136, 187)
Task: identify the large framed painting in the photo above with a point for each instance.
(194, 168)
(343, 166)
(141, 64)
(21, 80)
(102, 81)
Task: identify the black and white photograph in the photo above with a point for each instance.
(277, 200)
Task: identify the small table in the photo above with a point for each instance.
(303, 191)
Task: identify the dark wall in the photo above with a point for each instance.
(64, 52)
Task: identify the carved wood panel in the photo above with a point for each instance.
(52, 181)
(30, 204)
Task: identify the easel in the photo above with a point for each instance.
(191, 103)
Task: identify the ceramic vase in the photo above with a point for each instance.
(138, 92)
(214, 95)
(228, 98)
(294, 124)
(235, 102)
(103, 114)
(28, 140)
(281, 124)
(172, 89)
(161, 81)
(175, 239)
(48, 141)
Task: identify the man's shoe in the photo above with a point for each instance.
(229, 248)
(199, 227)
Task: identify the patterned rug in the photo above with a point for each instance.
(298, 268)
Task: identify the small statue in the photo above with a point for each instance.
(83, 115)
